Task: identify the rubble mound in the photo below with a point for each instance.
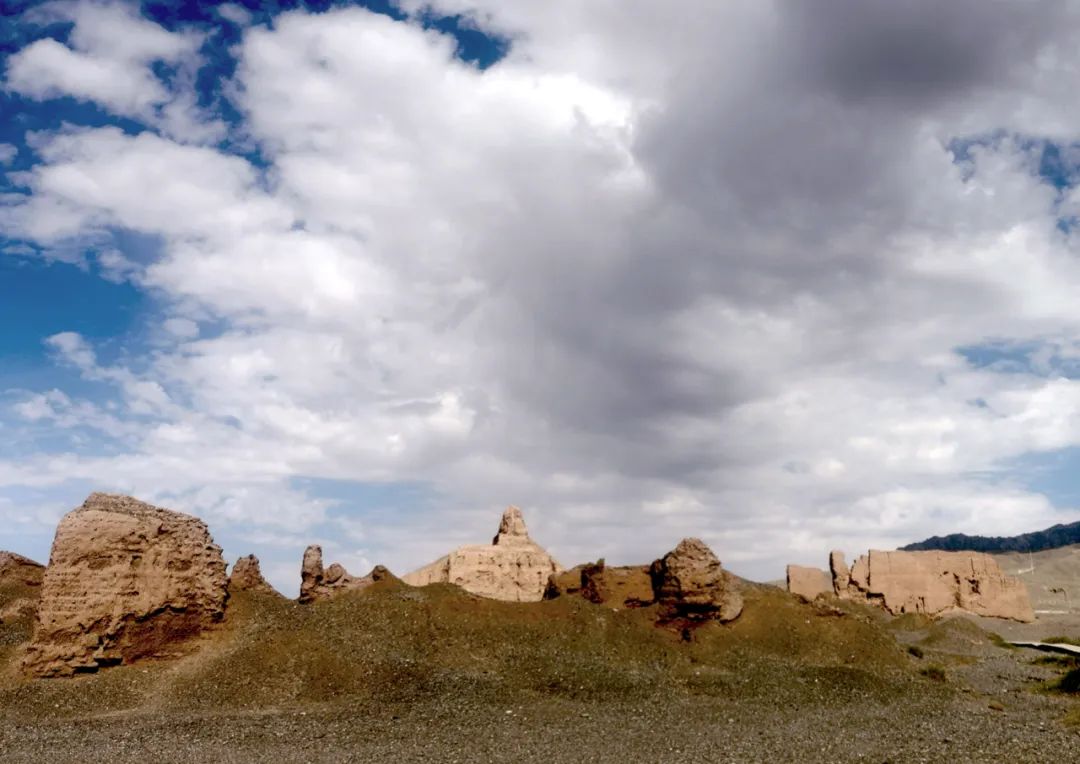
(247, 576)
(932, 583)
(690, 585)
(20, 586)
(627, 586)
(513, 567)
(808, 582)
(125, 580)
(318, 583)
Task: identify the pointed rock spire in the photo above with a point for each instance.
(512, 529)
(247, 576)
(512, 567)
(318, 583)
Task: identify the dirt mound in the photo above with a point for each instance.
(125, 580)
(513, 567)
(392, 646)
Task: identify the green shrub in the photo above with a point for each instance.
(1063, 641)
(1060, 661)
(1001, 642)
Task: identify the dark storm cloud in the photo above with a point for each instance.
(916, 51)
(819, 131)
(787, 178)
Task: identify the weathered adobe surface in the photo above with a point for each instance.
(688, 584)
(20, 586)
(125, 580)
(808, 582)
(513, 567)
(623, 586)
(16, 569)
(932, 583)
(691, 585)
(318, 583)
(246, 576)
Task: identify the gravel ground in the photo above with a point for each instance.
(955, 721)
(444, 678)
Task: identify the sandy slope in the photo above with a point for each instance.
(402, 674)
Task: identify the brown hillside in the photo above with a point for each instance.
(394, 673)
(394, 644)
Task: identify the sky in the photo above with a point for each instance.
(786, 276)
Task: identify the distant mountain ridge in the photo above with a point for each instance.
(1051, 538)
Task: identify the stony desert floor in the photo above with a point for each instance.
(398, 674)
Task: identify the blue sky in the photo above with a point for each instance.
(363, 274)
(44, 293)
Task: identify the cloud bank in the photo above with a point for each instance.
(723, 269)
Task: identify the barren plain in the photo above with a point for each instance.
(395, 673)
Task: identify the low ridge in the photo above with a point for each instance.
(1053, 537)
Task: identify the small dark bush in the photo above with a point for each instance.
(1070, 682)
(916, 651)
(934, 672)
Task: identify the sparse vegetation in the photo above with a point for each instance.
(1062, 661)
(934, 671)
(1069, 683)
(402, 674)
(1001, 642)
(954, 632)
(1072, 719)
(1063, 641)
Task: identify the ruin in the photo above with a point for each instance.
(20, 586)
(688, 584)
(513, 567)
(808, 582)
(125, 580)
(932, 583)
(246, 576)
(601, 584)
(319, 583)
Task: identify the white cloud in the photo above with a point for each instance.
(235, 13)
(107, 59)
(182, 328)
(648, 276)
(7, 153)
(97, 178)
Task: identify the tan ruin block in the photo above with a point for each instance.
(125, 580)
(513, 567)
(934, 583)
(808, 582)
